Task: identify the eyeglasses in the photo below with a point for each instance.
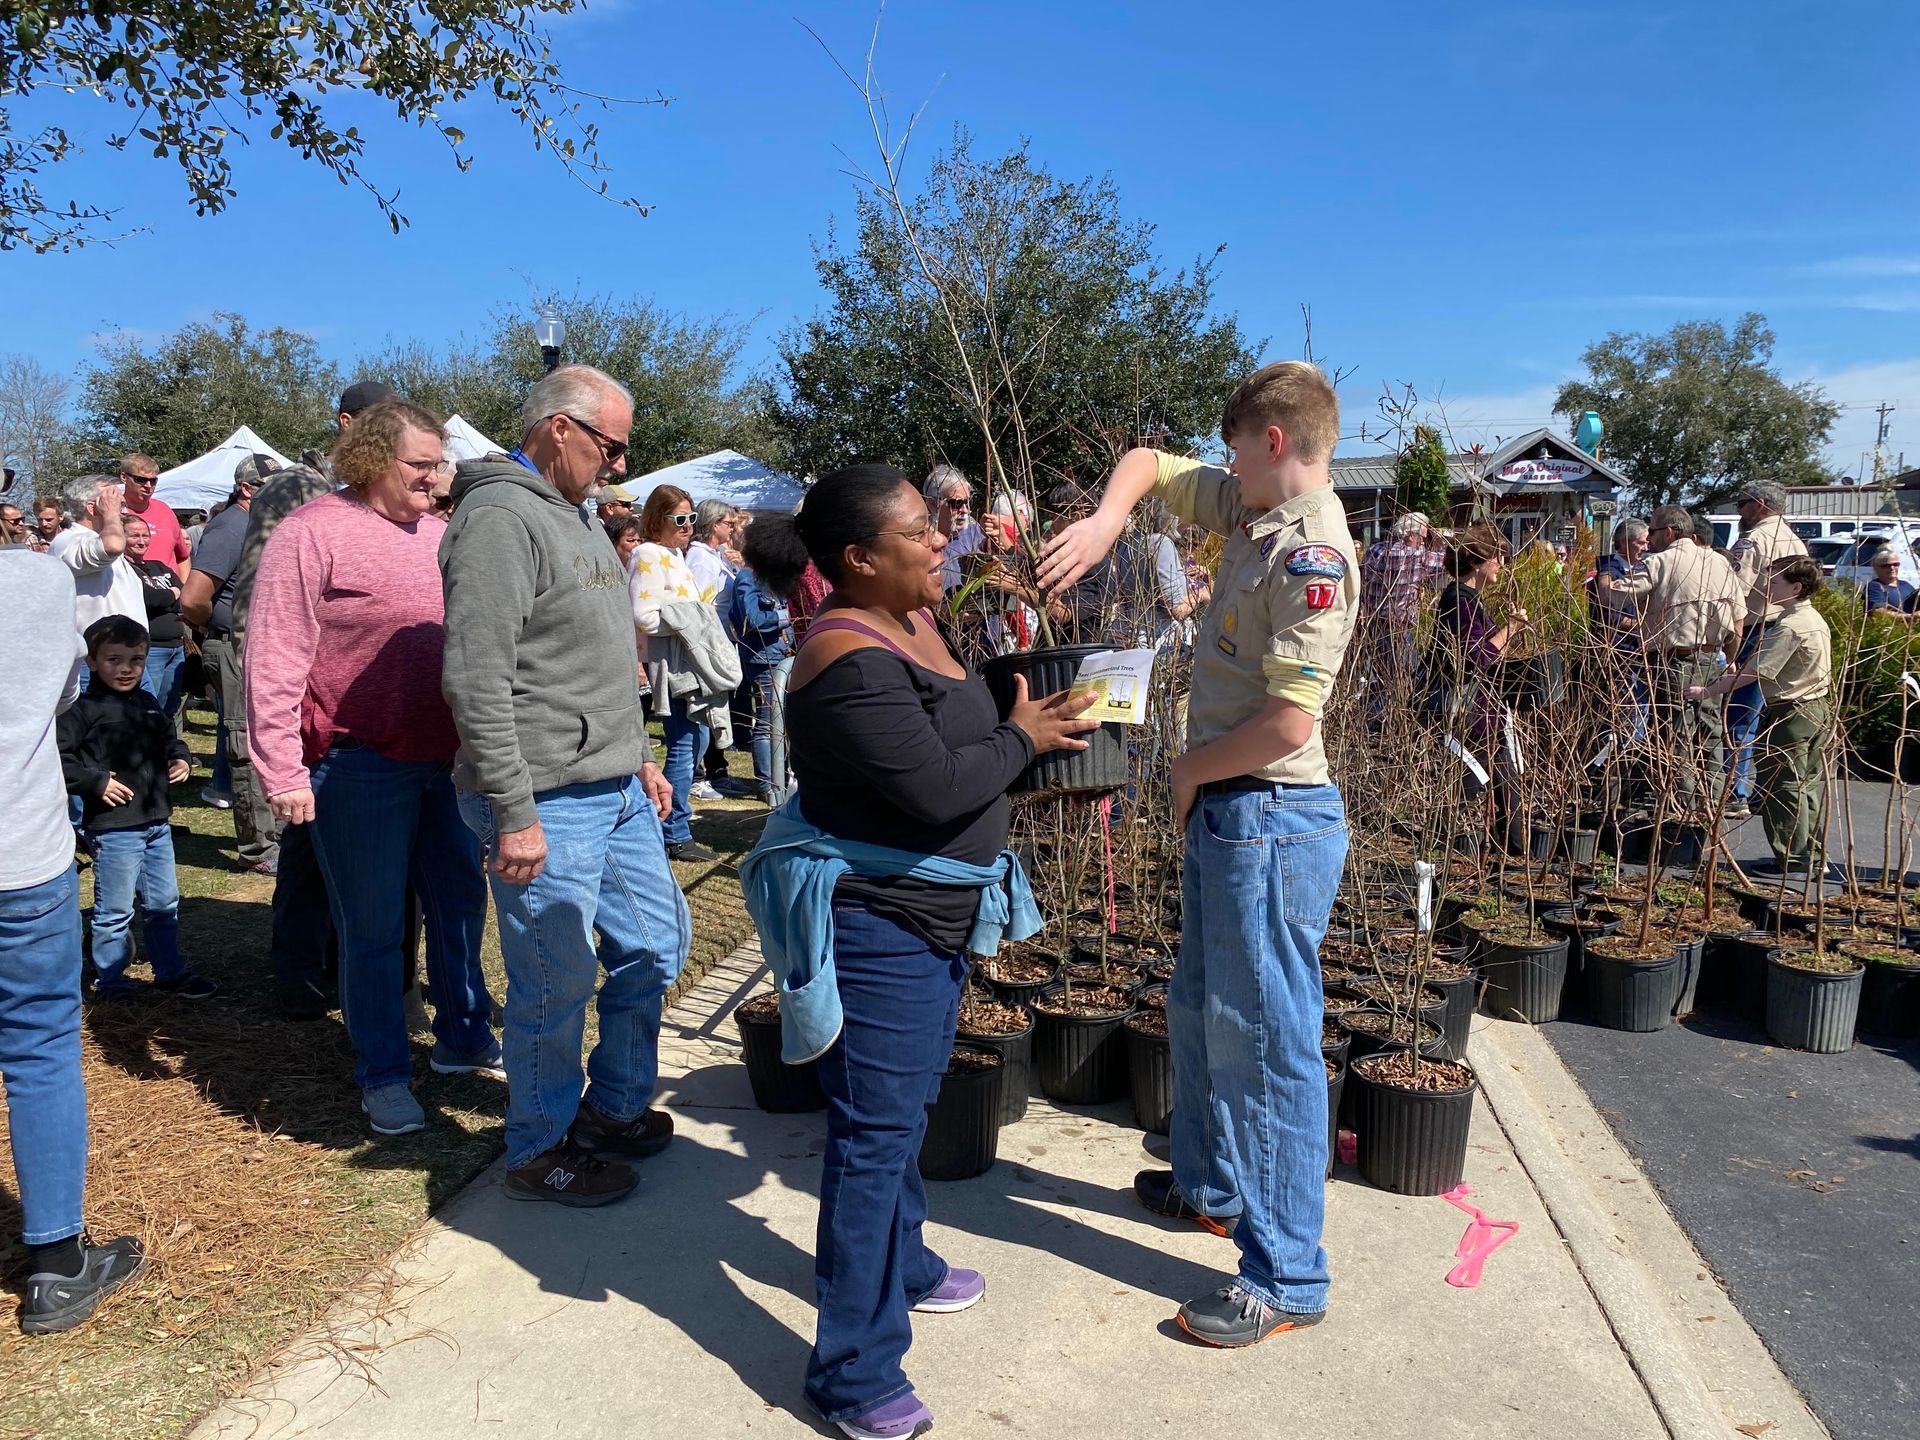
(917, 537)
(610, 448)
(421, 468)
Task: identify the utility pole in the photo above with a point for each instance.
(1883, 410)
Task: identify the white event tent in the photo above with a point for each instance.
(468, 443)
(726, 475)
(203, 483)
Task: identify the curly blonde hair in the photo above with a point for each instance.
(366, 450)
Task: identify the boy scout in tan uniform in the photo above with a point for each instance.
(1266, 839)
(1793, 665)
(1692, 609)
(1764, 538)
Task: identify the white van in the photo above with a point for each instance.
(1726, 528)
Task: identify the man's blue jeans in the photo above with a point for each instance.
(126, 863)
(1745, 710)
(378, 824)
(686, 742)
(901, 999)
(606, 871)
(165, 675)
(1249, 1133)
(40, 1054)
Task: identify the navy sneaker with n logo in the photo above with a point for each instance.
(568, 1175)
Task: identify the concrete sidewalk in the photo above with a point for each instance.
(687, 1309)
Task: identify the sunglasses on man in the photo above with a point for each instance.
(610, 448)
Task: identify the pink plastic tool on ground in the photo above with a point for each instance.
(1482, 1238)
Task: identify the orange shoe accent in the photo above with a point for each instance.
(1279, 1329)
(1211, 1226)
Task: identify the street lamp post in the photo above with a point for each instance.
(551, 333)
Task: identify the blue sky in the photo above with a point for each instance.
(1466, 194)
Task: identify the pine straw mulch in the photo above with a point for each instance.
(232, 1142)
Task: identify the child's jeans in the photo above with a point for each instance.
(126, 862)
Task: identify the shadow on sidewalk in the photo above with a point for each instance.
(689, 1247)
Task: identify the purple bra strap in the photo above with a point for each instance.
(843, 622)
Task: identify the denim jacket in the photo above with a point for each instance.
(788, 880)
(758, 620)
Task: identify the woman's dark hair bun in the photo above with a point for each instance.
(845, 508)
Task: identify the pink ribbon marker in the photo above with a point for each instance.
(1481, 1239)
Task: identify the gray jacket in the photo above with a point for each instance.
(541, 663)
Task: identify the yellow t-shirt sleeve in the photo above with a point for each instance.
(1299, 682)
(1200, 494)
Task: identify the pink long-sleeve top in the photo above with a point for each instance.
(344, 638)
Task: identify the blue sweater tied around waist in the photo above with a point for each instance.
(789, 879)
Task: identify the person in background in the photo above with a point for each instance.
(13, 523)
(950, 507)
(714, 563)
(139, 474)
(1764, 538)
(119, 754)
(350, 734)
(166, 634)
(206, 602)
(1887, 593)
(868, 892)
(757, 617)
(1156, 599)
(48, 518)
(624, 534)
(68, 1274)
(613, 502)
(684, 638)
(94, 548)
(557, 778)
(1793, 665)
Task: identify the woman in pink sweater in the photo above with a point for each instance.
(348, 729)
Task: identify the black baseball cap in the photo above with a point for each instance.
(364, 394)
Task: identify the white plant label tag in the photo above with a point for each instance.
(1423, 869)
(1466, 758)
(1605, 754)
(1912, 682)
(1513, 743)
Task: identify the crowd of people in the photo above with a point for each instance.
(433, 684)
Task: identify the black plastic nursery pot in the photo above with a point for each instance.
(1080, 1059)
(1715, 989)
(963, 1124)
(1016, 1066)
(1457, 1018)
(1813, 1009)
(778, 1088)
(1747, 954)
(1636, 995)
(1018, 992)
(1336, 1085)
(1523, 981)
(1102, 765)
(1412, 1142)
(1692, 955)
(1149, 1071)
(1890, 1000)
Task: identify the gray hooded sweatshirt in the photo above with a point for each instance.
(541, 661)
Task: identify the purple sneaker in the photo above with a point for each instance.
(959, 1291)
(900, 1418)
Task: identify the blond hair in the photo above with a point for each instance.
(373, 443)
(1295, 396)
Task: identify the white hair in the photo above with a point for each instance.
(80, 492)
(577, 390)
(1009, 503)
(940, 477)
(1410, 524)
(1630, 530)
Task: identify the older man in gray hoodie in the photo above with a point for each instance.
(556, 776)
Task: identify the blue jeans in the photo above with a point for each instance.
(901, 999)
(164, 676)
(686, 743)
(606, 871)
(126, 862)
(1249, 1132)
(40, 1054)
(378, 824)
(760, 677)
(1745, 709)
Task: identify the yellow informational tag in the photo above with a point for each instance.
(1121, 681)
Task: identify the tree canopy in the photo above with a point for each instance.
(195, 76)
(1421, 479)
(1700, 411)
(1083, 343)
(182, 396)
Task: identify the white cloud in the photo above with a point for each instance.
(1871, 267)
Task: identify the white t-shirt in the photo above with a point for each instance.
(102, 585)
(714, 574)
(38, 645)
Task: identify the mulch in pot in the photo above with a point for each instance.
(1396, 1068)
(1086, 1000)
(992, 1017)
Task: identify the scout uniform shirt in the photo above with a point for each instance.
(1689, 598)
(1754, 554)
(1284, 605)
(1794, 659)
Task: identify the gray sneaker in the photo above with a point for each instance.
(1231, 1318)
(392, 1110)
(449, 1061)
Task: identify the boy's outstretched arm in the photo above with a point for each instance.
(1085, 543)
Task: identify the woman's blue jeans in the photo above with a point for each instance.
(40, 1054)
(760, 677)
(126, 864)
(686, 742)
(378, 824)
(1249, 1132)
(165, 676)
(901, 999)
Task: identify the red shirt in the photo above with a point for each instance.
(169, 544)
(344, 638)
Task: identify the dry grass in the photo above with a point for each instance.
(232, 1142)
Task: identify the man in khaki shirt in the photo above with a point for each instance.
(1691, 609)
(1266, 839)
(1764, 538)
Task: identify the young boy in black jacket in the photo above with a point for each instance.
(119, 753)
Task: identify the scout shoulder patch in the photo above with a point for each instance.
(1317, 559)
(1320, 594)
